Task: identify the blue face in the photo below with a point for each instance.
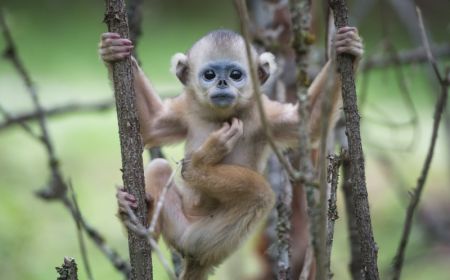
(222, 80)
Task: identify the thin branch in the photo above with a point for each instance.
(333, 180)
(25, 126)
(133, 224)
(416, 194)
(81, 242)
(405, 57)
(323, 262)
(69, 108)
(301, 23)
(161, 199)
(244, 23)
(10, 53)
(307, 264)
(57, 188)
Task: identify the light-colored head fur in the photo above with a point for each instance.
(220, 45)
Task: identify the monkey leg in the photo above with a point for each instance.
(244, 198)
(172, 222)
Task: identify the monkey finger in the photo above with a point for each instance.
(107, 35)
(115, 42)
(347, 29)
(347, 37)
(130, 197)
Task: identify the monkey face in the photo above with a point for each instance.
(222, 82)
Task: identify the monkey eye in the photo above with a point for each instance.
(209, 75)
(236, 75)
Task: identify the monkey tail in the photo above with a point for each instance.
(193, 270)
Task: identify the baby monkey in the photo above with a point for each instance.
(221, 195)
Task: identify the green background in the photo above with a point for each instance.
(57, 41)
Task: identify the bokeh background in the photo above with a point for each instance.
(57, 40)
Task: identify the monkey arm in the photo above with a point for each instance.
(161, 122)
(284, 118)
(327, 84)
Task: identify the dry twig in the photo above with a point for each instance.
(416, 194)
(332, 179)
(69, 108)
(244, 23)
(57, 187)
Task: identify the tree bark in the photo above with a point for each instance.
(68, 270)
(369, 250)
(130, 141)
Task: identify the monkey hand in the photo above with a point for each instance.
(127, 201)
(113, 48)
(220, 143)
(348, 41)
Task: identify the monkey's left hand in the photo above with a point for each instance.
(348, 41)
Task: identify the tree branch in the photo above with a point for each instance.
(69, 108)
(130, 141)
(57, 187)
(369, 248)
(332, 213)
(416, 194)
(405, 57)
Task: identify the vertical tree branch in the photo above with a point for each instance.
(333, 180)
(415, 198)
(302, 40)
(355, 265)
(130, 141)
(369, 248)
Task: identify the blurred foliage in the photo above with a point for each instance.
(57, 41)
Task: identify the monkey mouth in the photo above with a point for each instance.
(222, 99)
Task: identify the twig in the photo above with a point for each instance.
(161, 199)
(25, 127)
(332, 179)
(369, 248)
(21, 118)
(81, 242)
(132, 223)
(405, 57)
(323, 262)
(57, 188)
(301, 23)
(68, 270)
(309, 257)
(416, 194)
(244, 19)
(283, 212)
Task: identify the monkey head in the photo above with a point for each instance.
(215, 70)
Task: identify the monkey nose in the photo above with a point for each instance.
(222, 84)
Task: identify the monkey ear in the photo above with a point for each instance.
(180, 67)
(266, 66)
